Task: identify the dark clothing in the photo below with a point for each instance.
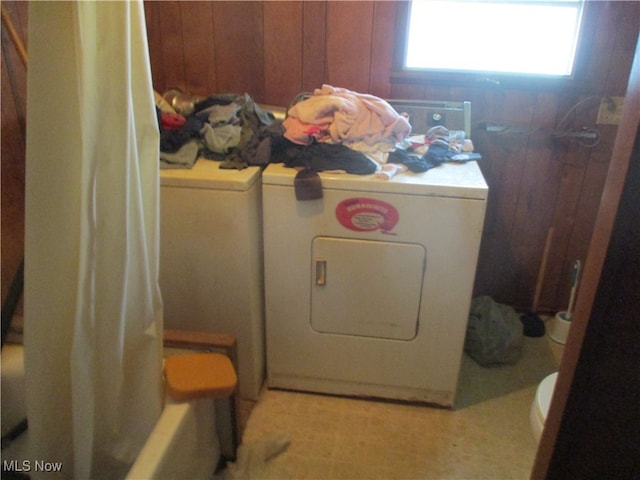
(320, 157)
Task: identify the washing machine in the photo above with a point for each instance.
(367, 289)
(211, 268)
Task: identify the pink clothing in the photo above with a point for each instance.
(304, 133)
(344, 116)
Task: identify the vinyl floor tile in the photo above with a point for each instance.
(485, 436)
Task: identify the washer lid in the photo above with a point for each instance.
(208, 174)
(461, 180)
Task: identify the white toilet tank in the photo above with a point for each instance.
(540, 404)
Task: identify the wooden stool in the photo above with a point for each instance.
(200, 375)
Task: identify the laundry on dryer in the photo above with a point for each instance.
(338, 129)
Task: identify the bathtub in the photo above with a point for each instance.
(183, 444)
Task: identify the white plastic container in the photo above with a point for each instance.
(560, 327)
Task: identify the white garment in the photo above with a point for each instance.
(93, 311)
(254, 460)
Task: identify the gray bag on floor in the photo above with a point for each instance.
(494, 333)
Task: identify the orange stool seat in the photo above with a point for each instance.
(199, 375)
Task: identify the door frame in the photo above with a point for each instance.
(609, 202)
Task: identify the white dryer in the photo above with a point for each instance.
(367, 290)
(211, 269)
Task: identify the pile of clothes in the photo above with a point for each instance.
(330, 129)
(229, 128)
(337, 115)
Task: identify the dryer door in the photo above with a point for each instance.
(366, 288)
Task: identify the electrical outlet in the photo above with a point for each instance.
(610, 111)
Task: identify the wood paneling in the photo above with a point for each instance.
(200, 69)
(283, 45)
(349, 44)
(13, 102)
(314, 44)
(239, 46)
(274, 50)
(171, 52)
(384, 22)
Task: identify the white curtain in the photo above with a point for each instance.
(93, 311)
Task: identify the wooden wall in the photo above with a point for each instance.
(274, 50)
(13, 101)
(271, 50)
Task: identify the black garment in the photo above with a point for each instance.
(438, 153)
(171, 140)
(255, 144)
(414, 163)
(320, 157)
(221, 99)
(532, 325)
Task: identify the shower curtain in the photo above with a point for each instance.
(93, 311)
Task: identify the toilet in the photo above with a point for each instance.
(540, 404)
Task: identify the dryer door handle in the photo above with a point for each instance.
(321, 272)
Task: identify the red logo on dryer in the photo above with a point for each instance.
(367, 215)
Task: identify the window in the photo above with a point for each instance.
(525, 37)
